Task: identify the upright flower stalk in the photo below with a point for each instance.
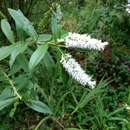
(75, 70)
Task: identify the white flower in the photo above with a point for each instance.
(75, 40)
(127, 106)
(75, 70)
(128, 10)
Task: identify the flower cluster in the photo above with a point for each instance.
(83, 41)
(75, 70)
(75, 40)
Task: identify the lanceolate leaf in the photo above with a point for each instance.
(49, 63)
(44, 38)
(6, 93)
(18, 49)
(6, 102)
(55, 27)
(5, 26)
(37, 56)
(38, 106)
(23, 23)
(88, 96)
(6, 51)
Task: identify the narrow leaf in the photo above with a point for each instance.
(89, 96)
(55, 27)
(44, 38)
(18, 49)
(38, 106)
(23, 23)
(6, 93)
(49, 63)
(5, 51)
(6, 102)
(5, 26)
(37, 56)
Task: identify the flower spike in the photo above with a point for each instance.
(83, 41)
(74, 69)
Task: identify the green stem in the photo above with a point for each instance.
(54, 119)
(52, 43)
(12, 85)
(41, 122)
(46, 118)
(74, 111)
(2, 15)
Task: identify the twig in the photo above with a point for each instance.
(54, 119)
(41, 122)
(12, 85)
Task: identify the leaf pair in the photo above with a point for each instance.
(23, 23)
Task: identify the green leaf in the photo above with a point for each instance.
(23, 23)
(116, 112)
(38, 106)
(37, 56)
(6, 93)
(6, 102)
(21, 63)
(18, 49)
(6, 51)
(5, 26)
(49, 63)
(44, 38)
(55, 27)
(89, 96)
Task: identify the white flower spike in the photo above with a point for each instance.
(75, 40)
(75, 70)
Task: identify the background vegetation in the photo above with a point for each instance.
(73, 106)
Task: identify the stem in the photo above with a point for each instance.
(52, 43)
(74, 111)
(12, 85)
(58, 123)
(60, 51)
(5, 7)
(41, 122)
(2, 15)
(46, 118)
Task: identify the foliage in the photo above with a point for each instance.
(34, 79)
